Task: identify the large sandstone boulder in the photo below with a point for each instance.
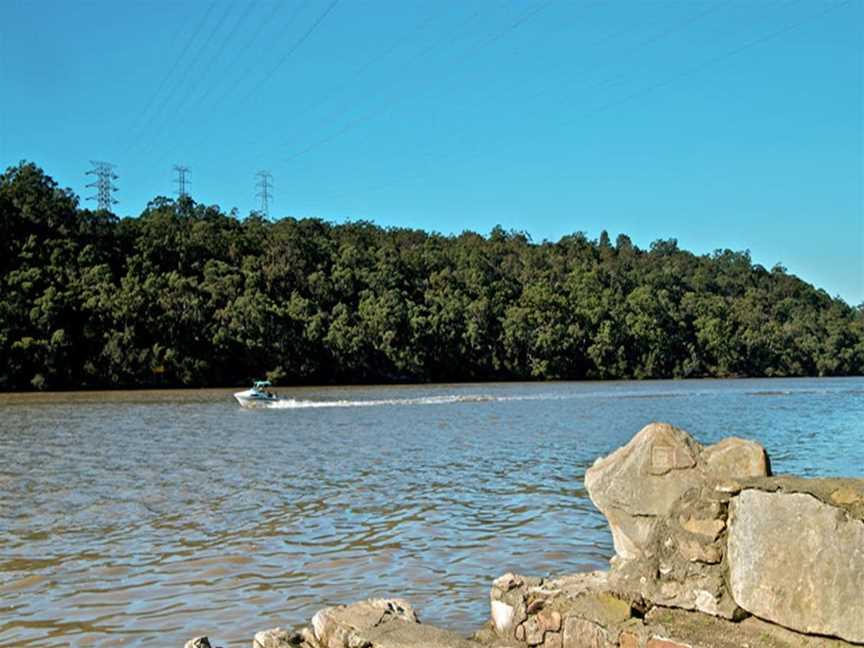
(376, 623)
(684, 566)
(342, 626)
(581, 611)
(799, 562)
(400, 634)
(277, 638)
(640, 482)
(705, 538)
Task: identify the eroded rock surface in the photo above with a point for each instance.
(568, 612)
(401, 634)
(198, 642)
(277, 638)
(642, 481)
(686, 521)
(665, 497)
(798, 562)
(345, 626)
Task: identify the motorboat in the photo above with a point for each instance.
(258, 396)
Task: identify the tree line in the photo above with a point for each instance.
(187, 294)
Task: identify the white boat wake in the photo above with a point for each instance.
(292, 403)
(448, 399)
(283, 403)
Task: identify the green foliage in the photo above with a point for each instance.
(186, 294)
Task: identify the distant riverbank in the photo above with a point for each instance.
(97, 392)
(188, 295)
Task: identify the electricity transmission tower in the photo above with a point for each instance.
(264, 186)
(104, 172)
(182, 181)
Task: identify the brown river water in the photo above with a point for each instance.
(148, 517)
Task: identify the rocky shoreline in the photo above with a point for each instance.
(712, 551)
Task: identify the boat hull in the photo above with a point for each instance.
(251, 400)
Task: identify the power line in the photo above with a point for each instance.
(104, 185)
(212, 64)
(372, 113)
(358, 72)
(520, 20)
(665, 33)
(719, 58)
(137, 123)
(247, 47)
(374, 59)
(296, 45)
(182, 80)
(668, 81)
(231, 87)
(182, 181)
(264, 186)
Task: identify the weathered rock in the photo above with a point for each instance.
(708, 528)
(582, 633)
(637, 483)
(696, 551)
(397, 633)
(550, 620)
(535, 630)
(572, 586)
(198, 642)
(629, 640)
(798, 562)
(567, 612)
(683, 569)
(553, 640)
(738, 458)
(678, 512)
(502, 616)
(695, 630)
(663, 642)
(666, 499)
(343, 626)
(641, 481)
(846, 495)
(377, 623)
(277, 638)
(508, 598)
(520, 632)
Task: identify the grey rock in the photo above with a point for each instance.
(641, 481)
(798, 562)
(696, 551)
(737, 458)
(708, 528)
(553, 640)
(582, 633)
(343, 626)
(197, 642)
(403, 634)
(277, 638)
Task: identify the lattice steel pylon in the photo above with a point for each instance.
(104, 184)
(264, 186)
(182, 181)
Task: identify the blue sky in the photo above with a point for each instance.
(725, 124)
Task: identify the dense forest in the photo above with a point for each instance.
(186, 294)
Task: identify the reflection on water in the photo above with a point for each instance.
(155, 516)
